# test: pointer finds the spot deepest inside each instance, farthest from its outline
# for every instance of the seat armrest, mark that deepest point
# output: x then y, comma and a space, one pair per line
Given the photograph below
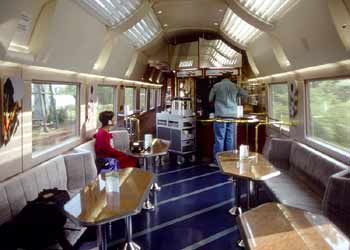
336, 202
278, 152
81, 169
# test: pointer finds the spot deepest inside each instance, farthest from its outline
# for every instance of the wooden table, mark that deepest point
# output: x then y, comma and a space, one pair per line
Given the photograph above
94, 206
254, 168
279, 227
159, 148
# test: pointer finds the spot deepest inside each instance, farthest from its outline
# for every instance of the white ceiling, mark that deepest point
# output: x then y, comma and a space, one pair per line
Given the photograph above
179, 14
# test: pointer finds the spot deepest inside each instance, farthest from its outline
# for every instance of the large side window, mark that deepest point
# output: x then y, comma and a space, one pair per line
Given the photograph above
143, 99
152, 98
105, 98
55, 110
279, 103
129, 99
329, 111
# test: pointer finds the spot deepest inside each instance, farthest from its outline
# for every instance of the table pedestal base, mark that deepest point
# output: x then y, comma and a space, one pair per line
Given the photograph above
235, 211
240, 243
156, 187
131, 246
148, 205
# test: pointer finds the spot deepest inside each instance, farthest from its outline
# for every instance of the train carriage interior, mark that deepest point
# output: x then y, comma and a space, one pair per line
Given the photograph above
175, 124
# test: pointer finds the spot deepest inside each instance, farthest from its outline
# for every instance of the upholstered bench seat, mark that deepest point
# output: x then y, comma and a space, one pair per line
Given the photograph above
309, 180
291, 191
67, 172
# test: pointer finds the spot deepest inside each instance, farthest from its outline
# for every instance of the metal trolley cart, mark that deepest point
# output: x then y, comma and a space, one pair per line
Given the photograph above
180, 128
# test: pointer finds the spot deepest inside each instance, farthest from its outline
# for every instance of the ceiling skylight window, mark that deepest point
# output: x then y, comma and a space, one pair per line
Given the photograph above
237, 29
222, 60
111, 12
144, 31
224, 49
185, 63
267, 10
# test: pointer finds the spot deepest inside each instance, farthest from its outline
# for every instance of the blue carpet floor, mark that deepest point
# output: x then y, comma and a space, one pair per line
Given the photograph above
191, 213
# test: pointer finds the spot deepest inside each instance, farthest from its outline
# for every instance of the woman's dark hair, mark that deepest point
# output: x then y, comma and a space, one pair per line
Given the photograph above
105, 117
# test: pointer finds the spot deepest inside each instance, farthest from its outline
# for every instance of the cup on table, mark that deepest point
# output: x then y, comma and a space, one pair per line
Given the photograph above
243, 152
148, 141
240, 111
112, 182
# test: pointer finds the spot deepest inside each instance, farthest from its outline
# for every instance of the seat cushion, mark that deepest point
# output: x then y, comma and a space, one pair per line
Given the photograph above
313, 166
291, 191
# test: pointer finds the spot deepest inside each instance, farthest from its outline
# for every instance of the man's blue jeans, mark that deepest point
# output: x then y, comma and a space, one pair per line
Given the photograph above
225, 137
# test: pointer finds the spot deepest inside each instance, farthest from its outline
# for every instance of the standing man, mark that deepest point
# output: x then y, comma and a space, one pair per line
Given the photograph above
224, 94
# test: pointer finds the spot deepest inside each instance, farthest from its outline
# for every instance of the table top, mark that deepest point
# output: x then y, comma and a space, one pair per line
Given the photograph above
94, 205
159, 147
256, 167
279, 227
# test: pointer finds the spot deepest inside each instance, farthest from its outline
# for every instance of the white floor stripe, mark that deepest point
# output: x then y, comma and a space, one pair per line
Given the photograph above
211, 238
193, 193
178, 170
176, 220
189, 179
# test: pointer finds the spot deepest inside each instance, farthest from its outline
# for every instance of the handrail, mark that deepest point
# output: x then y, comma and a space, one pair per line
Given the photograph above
268, 122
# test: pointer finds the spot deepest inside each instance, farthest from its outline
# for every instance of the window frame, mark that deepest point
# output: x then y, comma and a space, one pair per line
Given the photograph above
36, 156
134, 99
114, 95
282, 128
319, 143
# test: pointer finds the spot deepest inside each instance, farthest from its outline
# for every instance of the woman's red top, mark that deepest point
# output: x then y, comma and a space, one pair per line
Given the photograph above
104, 149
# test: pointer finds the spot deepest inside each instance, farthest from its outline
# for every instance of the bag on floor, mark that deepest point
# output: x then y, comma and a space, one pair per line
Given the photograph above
41, 222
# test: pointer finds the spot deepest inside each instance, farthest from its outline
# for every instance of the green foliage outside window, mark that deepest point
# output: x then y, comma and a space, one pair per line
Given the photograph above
279, 102
329, 104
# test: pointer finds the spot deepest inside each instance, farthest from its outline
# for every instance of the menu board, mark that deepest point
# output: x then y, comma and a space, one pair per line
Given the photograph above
219, 72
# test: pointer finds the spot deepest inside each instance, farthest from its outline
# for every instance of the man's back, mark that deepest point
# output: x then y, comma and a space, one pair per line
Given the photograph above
225, 94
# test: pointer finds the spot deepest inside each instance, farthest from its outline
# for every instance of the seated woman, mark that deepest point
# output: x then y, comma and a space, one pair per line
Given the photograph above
103, 146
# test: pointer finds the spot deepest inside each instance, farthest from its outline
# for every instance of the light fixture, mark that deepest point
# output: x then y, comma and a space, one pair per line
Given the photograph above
165, 25
268, 10
144, 31
159, 12
221, 10
237, 29
216, 24
186, 63
110, 12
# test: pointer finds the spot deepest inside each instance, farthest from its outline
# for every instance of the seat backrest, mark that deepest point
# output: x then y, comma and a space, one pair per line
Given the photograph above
81, 170
313, 165
88, 146
277, 151
15, 192
120, 139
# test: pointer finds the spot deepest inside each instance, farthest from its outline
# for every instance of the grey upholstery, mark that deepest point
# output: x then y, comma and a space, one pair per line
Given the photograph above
120, 139
309, 179
336, 202
88, 146
59, 172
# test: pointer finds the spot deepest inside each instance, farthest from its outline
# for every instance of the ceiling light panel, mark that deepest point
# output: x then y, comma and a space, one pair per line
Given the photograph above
237, 29
144, 31
267, 10
111, 12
